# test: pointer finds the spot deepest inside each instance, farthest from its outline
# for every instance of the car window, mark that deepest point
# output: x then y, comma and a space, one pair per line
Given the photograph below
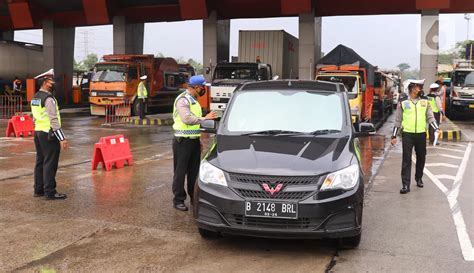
285, 110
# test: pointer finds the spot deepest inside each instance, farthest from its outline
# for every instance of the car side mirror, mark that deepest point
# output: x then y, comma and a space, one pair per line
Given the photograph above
208, 70
363, 88
209, 126
365, 129
276, 77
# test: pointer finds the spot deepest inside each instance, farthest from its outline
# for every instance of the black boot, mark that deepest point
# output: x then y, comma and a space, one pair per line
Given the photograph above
419, 183
405, 189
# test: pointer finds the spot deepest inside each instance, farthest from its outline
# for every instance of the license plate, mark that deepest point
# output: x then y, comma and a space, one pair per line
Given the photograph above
471, 105
270, 209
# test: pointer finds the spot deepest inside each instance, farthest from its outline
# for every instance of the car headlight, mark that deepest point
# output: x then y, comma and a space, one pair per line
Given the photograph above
119, 94
93, 94
344, 179
209, 174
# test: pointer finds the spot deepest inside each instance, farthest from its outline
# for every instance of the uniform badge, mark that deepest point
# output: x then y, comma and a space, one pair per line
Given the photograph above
406, 105
35, 102
423, 103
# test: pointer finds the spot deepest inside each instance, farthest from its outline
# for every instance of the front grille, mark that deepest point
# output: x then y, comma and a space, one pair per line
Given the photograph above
466, 96
300, 223
285, 180
281, 195
106, 93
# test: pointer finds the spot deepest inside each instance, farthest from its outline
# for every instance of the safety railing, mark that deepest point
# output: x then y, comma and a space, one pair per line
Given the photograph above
117, 113
10, 106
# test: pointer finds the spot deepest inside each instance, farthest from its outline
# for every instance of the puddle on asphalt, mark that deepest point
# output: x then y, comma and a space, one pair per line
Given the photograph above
372, 151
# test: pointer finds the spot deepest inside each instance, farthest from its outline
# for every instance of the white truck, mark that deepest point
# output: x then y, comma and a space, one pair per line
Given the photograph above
461, 98
262, 54
228, 76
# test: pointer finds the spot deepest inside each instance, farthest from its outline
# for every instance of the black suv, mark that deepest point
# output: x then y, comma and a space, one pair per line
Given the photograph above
285, 163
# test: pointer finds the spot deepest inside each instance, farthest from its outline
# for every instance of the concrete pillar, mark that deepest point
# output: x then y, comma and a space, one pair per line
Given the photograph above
7, 35
128, 38
58, 52
216, 39
429, 45
309, 45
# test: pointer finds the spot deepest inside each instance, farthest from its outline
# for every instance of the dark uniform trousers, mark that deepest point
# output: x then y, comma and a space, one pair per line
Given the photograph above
186, 160
410, 140
47, 158
141, 105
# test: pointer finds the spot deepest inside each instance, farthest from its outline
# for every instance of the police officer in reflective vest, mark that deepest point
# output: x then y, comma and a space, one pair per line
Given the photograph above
412, 116
436, 106
49, 138
187, 116
142, 94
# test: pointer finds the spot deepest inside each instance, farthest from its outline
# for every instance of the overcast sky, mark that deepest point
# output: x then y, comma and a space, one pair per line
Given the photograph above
384, 41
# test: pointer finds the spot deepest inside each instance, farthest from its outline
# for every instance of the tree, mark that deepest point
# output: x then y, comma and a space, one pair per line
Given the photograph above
78, 66
90, 60
403, 66
460, 48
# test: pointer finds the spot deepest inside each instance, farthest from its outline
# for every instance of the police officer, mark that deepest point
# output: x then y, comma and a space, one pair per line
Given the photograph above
187, 116
412, 116
49, 138
436, 107
142, 94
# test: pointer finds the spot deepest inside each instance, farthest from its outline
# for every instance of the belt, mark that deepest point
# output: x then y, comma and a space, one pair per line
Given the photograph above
179, 138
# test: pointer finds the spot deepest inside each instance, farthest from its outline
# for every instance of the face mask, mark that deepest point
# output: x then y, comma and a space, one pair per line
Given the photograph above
201, 92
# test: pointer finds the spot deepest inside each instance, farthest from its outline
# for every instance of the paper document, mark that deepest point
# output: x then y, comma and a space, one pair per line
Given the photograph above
436, 136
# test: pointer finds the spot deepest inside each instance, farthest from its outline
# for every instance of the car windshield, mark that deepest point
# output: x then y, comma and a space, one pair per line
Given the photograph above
350, 83
238, 73
109, 73
285, 112
463, 78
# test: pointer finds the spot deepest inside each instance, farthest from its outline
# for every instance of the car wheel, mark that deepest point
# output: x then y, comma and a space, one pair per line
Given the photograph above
208, 235
350, 242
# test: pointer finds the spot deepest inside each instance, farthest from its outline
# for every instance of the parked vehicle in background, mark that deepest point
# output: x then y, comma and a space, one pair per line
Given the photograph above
228, 76
344, 59
115, 80
461, 98
383, 94
187, 71
285, 174
277, 48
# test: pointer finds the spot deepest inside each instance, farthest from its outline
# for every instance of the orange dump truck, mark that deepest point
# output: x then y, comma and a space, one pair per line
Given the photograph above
115, 80
344, 65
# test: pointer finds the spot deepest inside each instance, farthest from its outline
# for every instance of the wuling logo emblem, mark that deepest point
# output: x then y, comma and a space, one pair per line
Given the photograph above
272, 190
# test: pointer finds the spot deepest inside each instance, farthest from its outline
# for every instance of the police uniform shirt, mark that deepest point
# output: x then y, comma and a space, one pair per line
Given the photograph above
50, 106
399, 114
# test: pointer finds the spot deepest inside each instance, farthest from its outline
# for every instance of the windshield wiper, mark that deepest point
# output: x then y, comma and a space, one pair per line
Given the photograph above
324, 132
270, 132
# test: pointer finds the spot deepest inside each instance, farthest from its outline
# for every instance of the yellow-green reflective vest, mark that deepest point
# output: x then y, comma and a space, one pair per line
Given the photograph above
414, 116
180, 128
432, 101
40, 116
142, 92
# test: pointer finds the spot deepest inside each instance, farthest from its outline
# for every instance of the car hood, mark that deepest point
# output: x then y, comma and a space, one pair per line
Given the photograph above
229, 82
281, 155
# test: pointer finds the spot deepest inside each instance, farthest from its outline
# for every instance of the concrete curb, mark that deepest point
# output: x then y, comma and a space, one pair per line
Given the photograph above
147, 121
453, 133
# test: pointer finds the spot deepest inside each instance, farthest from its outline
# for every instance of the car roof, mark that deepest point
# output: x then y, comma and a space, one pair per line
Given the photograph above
306, 85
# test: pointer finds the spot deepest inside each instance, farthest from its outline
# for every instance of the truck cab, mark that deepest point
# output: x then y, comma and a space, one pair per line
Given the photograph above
353, 83
228, 76
461, 99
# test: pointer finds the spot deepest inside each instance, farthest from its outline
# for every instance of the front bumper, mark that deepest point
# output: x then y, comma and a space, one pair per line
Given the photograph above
222, 209
462, 105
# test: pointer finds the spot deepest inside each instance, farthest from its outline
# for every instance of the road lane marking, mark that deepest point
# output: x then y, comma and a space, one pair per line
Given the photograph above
442, 165
451, 156
446, 149
445, 176
452, 196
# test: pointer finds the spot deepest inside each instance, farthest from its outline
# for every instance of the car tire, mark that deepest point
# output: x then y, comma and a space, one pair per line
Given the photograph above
350, 242
208, 235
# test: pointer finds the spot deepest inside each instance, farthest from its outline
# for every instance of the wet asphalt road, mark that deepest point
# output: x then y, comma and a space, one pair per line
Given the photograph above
123, 220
